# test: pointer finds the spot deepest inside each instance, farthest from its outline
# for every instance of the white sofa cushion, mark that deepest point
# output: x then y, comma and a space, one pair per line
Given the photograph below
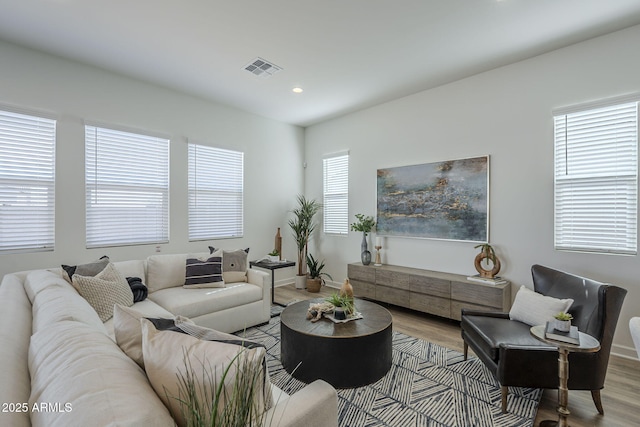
197, 302
170, 354
56, 301
104, 290
167, 270
91, 379
132, 268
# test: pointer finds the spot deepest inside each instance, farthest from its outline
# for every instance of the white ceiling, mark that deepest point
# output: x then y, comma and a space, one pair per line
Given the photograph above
346, 54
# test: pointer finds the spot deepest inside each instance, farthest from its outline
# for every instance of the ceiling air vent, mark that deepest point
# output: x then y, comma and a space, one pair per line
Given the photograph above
261, 67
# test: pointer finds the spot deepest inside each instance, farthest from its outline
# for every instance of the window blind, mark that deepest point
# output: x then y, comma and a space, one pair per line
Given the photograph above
127, 188
596, 167
336, 193
216, 193
27, 182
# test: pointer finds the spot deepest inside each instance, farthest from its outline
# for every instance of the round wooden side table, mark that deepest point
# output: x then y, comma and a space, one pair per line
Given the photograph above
588, 344
345, 355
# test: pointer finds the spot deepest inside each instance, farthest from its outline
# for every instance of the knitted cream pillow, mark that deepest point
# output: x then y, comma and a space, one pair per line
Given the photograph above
104, 290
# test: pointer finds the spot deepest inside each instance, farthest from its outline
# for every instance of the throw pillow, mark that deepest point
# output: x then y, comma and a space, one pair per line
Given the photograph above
534, 309
234, 265
89, 269
128, 333
104, 290
208, 364
204, 273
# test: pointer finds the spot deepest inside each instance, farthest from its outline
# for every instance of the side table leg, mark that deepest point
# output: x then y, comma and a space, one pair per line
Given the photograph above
563, 389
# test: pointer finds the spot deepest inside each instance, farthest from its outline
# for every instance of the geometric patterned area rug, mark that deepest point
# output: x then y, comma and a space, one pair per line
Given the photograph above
427, 385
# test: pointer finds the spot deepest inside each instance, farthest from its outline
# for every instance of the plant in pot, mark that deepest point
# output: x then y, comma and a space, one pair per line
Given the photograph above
343, 303
315, 278
364, 224
562, 321
302, 225
274, 255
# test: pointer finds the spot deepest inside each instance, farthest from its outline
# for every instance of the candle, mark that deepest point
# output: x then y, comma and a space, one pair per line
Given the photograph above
378, 241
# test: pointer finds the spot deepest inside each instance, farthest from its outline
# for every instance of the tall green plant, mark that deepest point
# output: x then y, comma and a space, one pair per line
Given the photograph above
302, 225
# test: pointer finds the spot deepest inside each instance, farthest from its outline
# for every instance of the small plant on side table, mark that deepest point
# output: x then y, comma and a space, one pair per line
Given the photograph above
563, 321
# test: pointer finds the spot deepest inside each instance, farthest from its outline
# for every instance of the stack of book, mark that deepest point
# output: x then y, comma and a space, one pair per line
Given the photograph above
571, 337
493, 281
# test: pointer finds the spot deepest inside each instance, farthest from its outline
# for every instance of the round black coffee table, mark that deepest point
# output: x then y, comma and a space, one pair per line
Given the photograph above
345, 355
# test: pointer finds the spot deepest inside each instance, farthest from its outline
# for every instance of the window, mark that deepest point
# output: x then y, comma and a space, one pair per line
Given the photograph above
127, 188
216, 179
335, 171
27, 182
596, 166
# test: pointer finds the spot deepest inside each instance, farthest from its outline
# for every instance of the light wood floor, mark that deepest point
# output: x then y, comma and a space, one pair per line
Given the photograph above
620, 396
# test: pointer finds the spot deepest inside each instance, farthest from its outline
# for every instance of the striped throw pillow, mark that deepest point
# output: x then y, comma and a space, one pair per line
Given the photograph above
204, 273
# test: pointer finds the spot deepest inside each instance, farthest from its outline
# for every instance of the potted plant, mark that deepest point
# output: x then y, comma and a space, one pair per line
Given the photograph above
302, 225
274, 255
315, 278
563, 321
364, 224
344, 302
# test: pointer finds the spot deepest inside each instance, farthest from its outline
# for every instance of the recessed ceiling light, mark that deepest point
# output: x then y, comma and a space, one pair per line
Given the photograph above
297, 90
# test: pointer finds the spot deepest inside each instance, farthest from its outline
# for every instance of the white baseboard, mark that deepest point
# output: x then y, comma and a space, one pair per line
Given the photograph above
624, 352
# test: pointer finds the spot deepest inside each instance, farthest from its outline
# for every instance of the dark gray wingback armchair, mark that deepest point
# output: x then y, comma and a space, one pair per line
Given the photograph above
517, 359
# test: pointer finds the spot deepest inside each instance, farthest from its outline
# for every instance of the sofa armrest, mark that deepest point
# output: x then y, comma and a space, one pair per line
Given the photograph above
259, 278
316, 405
472, 312
15, 313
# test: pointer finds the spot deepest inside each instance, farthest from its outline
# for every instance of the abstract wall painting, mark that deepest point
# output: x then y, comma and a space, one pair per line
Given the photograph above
442, 200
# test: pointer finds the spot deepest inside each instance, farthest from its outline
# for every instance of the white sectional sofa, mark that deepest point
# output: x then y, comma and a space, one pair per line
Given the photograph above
62, 366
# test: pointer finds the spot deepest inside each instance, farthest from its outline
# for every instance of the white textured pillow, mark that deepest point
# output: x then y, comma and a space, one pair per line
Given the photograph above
534, 309
164, 358
104, 290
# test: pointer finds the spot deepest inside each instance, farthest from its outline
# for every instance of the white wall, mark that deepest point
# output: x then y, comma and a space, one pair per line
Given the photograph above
505, 113
74, 92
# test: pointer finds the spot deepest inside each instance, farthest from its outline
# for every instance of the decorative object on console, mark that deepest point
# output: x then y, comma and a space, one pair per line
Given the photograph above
378, 246
365, 224
277, 246
315, 278
302, 225
487, 254
441, 200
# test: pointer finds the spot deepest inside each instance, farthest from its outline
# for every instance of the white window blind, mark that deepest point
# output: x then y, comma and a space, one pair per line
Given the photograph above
336, 193
216, 190
127, 188
27, 182
596, 167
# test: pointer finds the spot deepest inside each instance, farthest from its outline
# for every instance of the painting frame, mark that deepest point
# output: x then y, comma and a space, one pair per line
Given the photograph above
444, 200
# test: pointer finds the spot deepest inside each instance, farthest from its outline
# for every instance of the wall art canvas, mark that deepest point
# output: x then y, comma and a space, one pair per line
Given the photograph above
442, 200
